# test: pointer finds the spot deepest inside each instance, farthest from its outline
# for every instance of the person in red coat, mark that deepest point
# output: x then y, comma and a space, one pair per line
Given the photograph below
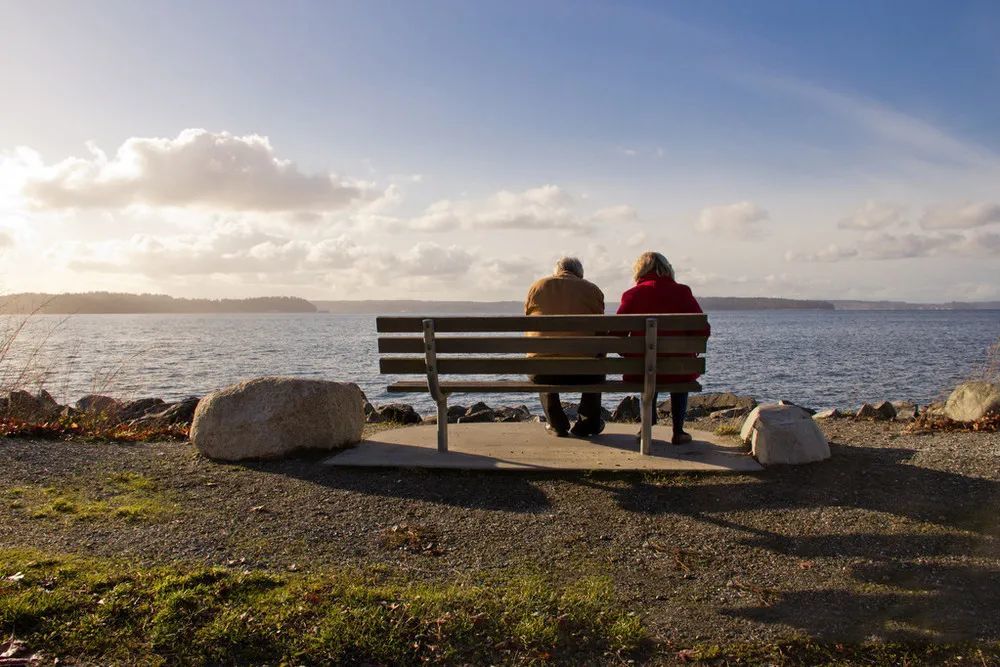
656, 292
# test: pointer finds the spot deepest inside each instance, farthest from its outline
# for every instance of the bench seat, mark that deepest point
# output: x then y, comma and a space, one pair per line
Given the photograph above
514, 386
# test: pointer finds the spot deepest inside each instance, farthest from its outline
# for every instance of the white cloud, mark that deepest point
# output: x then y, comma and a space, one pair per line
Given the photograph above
742, 220
965, 216
197, 168
874, 215
830, 253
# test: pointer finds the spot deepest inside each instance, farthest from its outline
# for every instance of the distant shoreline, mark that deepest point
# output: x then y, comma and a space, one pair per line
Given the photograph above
107, 303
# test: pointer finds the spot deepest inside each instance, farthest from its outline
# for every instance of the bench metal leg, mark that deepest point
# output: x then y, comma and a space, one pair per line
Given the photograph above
430, 355
648, 389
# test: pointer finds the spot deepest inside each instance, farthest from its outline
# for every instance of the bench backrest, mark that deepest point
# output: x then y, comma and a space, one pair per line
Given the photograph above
671, 334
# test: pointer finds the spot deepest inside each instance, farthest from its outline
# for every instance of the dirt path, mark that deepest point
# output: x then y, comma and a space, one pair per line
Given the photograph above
896, 538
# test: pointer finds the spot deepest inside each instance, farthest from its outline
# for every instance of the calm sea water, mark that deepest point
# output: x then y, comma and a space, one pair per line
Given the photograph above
817, 358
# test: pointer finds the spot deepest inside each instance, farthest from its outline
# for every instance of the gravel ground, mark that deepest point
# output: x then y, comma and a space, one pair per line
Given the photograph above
896, 538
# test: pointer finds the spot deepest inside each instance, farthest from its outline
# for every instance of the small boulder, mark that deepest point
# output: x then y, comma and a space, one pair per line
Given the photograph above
905, 411
783, 434
971, 401
508, 413
30, 407
456, 412
885, 411
140, 408
96, 404
272, 417
800, 407
866, 411
399, 413
176, 413
629, 411
478, 417
832, 413
729, 413
371, 413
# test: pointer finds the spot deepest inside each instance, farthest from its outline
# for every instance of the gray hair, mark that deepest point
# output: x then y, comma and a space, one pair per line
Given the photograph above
651, 262
570, 265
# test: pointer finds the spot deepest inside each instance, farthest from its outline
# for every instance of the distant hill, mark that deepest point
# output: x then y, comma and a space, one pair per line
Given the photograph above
516, 307
111, 302
903, 305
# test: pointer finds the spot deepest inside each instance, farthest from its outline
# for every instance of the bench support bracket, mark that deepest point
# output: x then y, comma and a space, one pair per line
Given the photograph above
430, 354
649, 389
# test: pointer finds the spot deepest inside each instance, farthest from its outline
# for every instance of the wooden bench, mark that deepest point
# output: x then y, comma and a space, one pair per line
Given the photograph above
434, 356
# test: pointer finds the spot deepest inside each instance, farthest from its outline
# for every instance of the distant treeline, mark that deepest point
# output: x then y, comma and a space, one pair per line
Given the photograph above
111, 302
517, 307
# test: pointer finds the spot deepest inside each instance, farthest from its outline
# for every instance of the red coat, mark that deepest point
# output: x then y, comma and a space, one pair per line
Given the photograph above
659, 295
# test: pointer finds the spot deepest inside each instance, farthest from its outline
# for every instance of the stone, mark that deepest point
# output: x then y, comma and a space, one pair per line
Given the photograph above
506, 413
885, 411
629, 411
832, 413
784, 434
95, 404
371, 414
272, 417
140, 408
905, 411
456, 412
429, 419
701, 404
175, 414
729, 413
934, 409
800, 407
399, 413
30, 407
866, 411
971, 401
478, 417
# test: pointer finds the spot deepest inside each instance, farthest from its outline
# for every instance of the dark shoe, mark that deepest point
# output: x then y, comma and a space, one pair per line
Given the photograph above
556, 432
585, 428
680, 438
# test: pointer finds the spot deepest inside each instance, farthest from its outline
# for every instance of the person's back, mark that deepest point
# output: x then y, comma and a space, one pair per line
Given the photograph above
567, 293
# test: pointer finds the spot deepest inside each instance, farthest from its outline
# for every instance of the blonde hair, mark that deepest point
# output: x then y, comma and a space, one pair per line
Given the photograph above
651, 262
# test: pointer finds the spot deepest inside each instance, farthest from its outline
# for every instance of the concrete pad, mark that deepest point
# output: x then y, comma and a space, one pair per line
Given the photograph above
526, 446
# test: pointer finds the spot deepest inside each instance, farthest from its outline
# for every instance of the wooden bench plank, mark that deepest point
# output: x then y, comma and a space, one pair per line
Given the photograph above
538, 366
513, 386
580, 323
546, 345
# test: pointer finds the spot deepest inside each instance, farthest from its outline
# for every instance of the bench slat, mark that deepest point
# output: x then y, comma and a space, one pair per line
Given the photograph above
523, 344
537, 366
505, 386
581, 323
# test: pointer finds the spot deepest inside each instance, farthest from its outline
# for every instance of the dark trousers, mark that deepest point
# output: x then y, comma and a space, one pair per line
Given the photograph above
678, 409
589, 409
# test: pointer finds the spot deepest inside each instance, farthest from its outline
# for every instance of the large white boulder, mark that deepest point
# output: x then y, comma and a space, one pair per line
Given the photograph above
784, 434
972, 400
271, 417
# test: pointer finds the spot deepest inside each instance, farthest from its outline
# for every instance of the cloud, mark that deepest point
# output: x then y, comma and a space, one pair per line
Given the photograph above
547, 207
197, 168
965, 216
741, 220
874, 215
830, 253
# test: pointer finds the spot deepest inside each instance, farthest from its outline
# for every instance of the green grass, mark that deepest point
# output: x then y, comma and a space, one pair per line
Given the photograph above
731, 427
105, 611
124, 495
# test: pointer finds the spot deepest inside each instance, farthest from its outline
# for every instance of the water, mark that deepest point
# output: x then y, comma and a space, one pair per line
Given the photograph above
816, 358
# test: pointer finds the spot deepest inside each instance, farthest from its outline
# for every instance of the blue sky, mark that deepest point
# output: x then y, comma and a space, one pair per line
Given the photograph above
806, 149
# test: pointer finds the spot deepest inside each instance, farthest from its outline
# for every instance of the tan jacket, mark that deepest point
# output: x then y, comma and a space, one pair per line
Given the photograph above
563, 294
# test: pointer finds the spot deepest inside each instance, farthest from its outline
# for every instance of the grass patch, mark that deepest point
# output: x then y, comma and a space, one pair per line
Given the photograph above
805, 652
731, 427
124, 495
104, 611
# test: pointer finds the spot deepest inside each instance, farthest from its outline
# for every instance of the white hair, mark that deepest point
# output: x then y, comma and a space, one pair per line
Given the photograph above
651, 262
570, 265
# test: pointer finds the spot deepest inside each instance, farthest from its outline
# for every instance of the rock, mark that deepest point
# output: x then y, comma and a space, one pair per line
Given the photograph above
399, 413
832, 413
971, 401
629, 411
175, 413
800, 407
479, 417
477, 407
508, 413
455, 412
272, 417
730, 413
701, 404
885, 411
866, 411
140, 408
428, 419
934, 409
371, 414
101, 406
663, 409
67, 412
784, 434
905, 411
570, 410
29, 407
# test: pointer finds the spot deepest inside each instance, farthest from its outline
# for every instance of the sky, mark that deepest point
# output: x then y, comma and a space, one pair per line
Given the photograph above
455, 150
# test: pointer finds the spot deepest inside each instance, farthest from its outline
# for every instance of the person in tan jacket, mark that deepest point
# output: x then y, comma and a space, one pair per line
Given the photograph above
565, 292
